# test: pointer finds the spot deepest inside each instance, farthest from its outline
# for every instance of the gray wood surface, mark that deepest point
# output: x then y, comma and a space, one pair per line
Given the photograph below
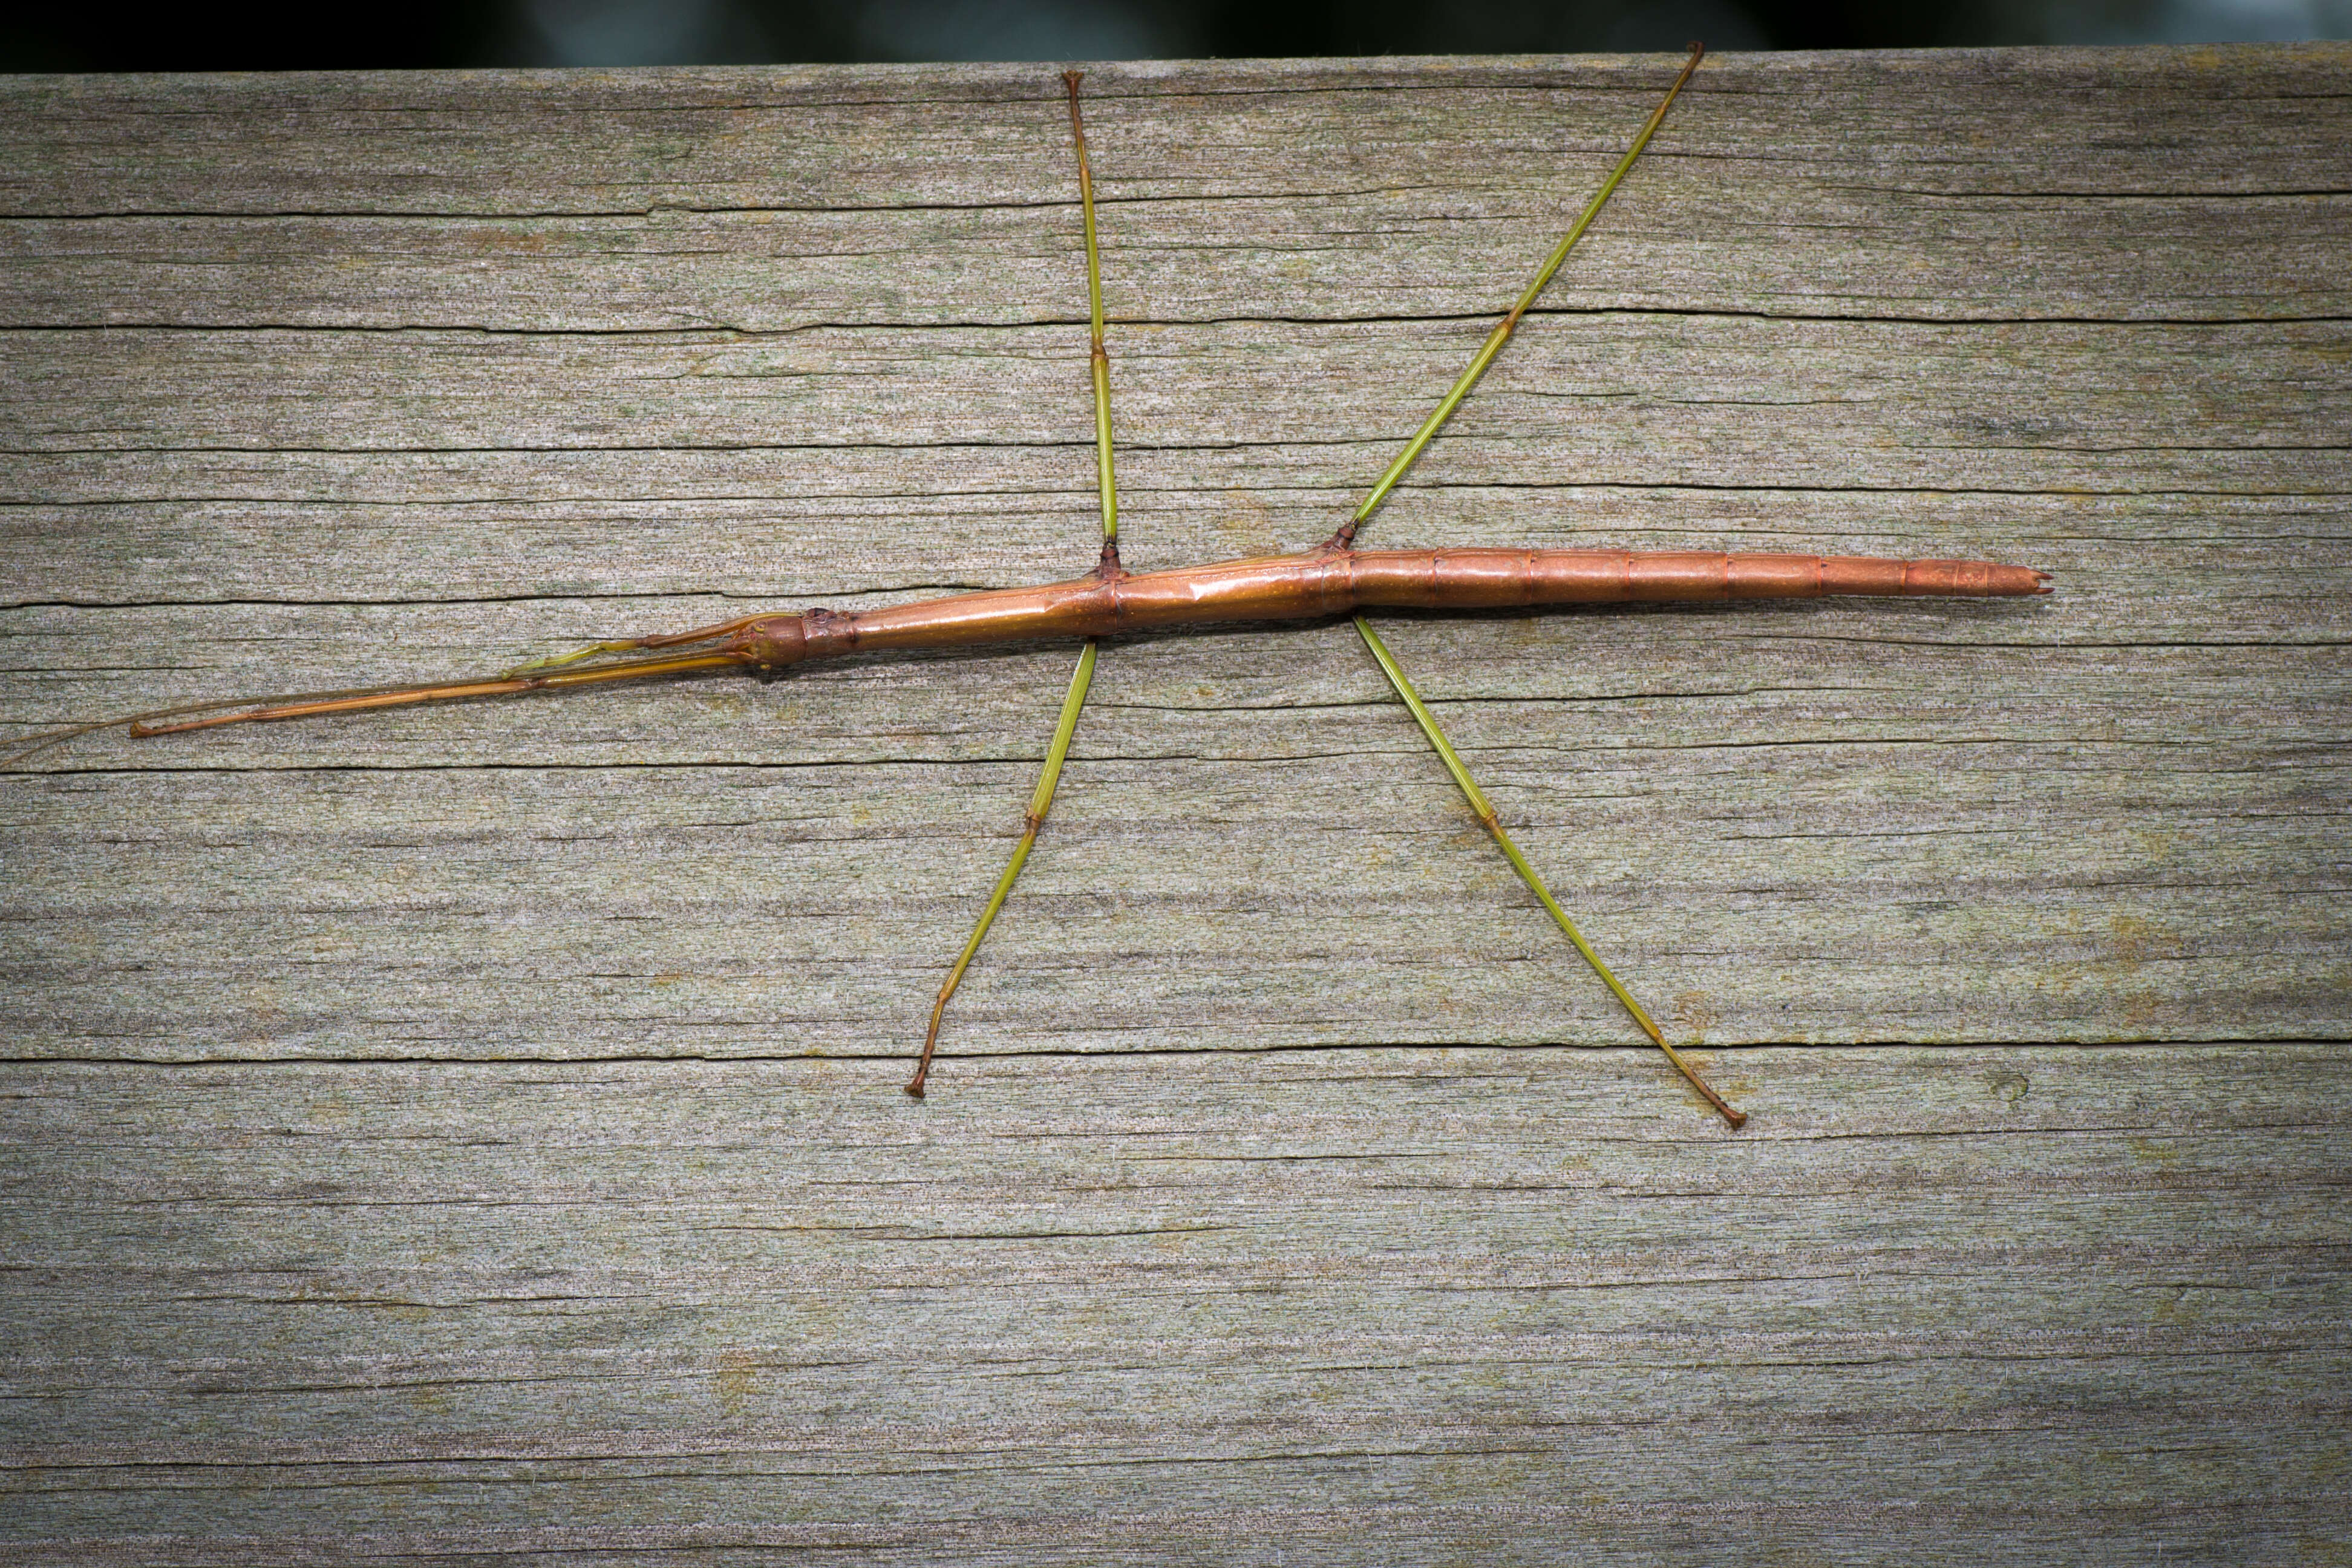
474, 1134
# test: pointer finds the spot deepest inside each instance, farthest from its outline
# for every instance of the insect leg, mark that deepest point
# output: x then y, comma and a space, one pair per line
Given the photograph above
1345, 539
1041, 800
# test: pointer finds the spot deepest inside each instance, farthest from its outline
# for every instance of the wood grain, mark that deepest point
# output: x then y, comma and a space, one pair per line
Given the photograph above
474, 1132
1353, 1306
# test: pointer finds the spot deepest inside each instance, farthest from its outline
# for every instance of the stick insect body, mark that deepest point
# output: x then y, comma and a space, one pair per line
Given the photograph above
1333, 580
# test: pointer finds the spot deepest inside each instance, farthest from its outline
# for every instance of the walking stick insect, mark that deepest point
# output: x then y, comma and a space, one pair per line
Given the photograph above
1335, 578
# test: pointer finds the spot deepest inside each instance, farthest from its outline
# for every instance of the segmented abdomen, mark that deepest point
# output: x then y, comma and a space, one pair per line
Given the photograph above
1495, 579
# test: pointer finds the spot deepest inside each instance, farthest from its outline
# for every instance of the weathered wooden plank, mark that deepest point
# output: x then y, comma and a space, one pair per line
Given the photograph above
1776, 868
694, 199
1247, 1222
1362, 255
1614, 398
691, 1307
2130, 123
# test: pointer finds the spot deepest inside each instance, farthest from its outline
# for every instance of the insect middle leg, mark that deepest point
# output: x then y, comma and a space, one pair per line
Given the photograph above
1041, 800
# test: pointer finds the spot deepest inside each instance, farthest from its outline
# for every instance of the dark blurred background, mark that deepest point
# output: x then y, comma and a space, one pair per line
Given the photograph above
736, 31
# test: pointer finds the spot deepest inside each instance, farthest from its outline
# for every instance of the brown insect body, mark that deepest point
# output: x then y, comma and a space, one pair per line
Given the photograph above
1327, 583
1108, 602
